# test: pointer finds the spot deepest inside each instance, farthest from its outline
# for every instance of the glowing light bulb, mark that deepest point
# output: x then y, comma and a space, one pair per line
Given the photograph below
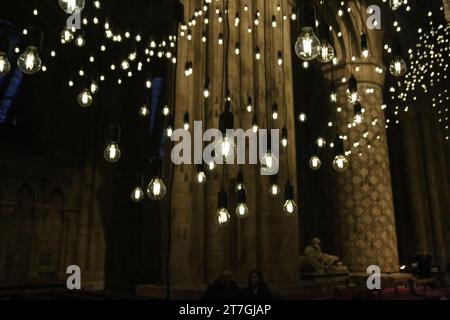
29, 61
269, 160
72, 6
321, 142
315, 163
222, 218
333, 97
326, 52
169, 131
166, 110
398, 67
290, 207
307, 46
67, 35
242, 210
340, 163
302, 117
226, 146
137, 194
79, 42
156, 189
395, 4
112, 153
200, 178
94, 87
5, 66
275, 190
85, 98
144, 111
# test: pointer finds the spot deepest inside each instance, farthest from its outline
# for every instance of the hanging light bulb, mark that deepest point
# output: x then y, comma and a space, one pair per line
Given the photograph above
321, 142
326, 53
29, 61
237, 48
395, 4
275, 111
242, 209
275, 189
137, 194
226, 122
166, 110
333, 94
307, 46
257, 54
169, 129
315, 163
222, 217
85, 98
72, 6
79, 42
353, 96
67, 35
284, 137
186, 121
144, 111
206, 92
112, 152
5, 66
156, 189
249, 104
94, 87
200, 177
358, 113
289, 207
302, 117
240, 181
211, 163
269, 159
364, 46
398, 67
340, 162
255, 124
280, 58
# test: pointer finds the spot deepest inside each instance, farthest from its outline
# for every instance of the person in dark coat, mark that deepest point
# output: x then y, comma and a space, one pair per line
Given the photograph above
224, 288
257, 289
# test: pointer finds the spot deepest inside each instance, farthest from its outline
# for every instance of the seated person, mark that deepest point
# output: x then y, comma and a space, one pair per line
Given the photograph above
257, 289
224, 288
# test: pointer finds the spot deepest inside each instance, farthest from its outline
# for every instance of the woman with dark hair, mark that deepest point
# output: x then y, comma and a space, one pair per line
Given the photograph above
257, 289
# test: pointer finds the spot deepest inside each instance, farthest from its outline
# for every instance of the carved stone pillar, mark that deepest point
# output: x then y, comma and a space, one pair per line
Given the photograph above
267, 239
366, 220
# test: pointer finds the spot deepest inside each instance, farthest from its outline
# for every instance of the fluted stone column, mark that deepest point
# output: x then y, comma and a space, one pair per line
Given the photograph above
267, 239
364, 193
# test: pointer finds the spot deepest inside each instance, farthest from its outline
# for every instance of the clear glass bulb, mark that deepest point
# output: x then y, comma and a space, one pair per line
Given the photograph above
226, 146
137, 194
222, 217
326, 52
353, 97
211, 165
269, 160
186, 126
85, 98
275, 190
143, 111
315, 163
365, 53
94, 87
321, 142
29, 61
398, 67
358, 118
340, 163
307, 46
290, 207
67, 35
302, 117
395, 4
333, 97
200, 178
284, 142
5, 66
79, 42
242, 210
255, 128
166, 110
156, 189
169, 131
72, 6
112, 153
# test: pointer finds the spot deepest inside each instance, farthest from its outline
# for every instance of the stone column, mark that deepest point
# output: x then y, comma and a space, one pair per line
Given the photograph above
364, 194
446, 4
266, 240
